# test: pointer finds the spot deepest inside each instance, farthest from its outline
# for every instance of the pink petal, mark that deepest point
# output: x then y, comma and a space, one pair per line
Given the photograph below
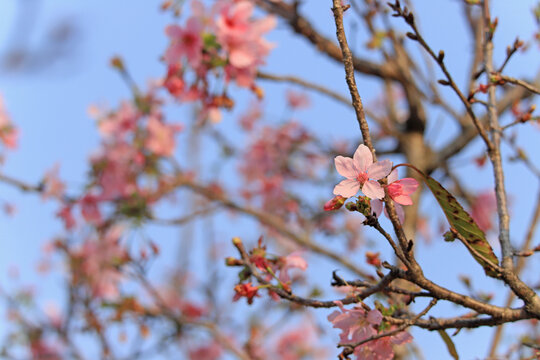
193, 25
345, 167
347, 188
373, 190
393, 176
241, 58
362, 158
374, 317
408, 185
264, 25
400, 212
401, 338
403, 199
243, 11
379, 169
376, 207
173, 31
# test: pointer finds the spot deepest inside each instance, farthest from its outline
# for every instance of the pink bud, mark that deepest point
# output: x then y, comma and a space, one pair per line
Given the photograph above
335, 203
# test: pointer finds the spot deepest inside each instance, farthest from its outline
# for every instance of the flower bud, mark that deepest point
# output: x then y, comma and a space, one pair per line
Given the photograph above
335, 203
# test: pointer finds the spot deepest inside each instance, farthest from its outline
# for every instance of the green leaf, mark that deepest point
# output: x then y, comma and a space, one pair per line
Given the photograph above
449, 344
464, 224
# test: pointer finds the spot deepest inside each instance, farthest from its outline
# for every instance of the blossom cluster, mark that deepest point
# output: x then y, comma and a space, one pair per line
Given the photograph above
270, 267
358, 325
225, 40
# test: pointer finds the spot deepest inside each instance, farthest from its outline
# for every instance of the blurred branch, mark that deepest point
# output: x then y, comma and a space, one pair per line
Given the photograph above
306, 84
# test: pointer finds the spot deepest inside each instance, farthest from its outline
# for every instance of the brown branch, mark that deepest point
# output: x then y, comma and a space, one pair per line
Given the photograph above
463, 322
497, 336
439, 59
21, 185
300, 25
528, 295
282, 293
519, 82
469, 133
349, 76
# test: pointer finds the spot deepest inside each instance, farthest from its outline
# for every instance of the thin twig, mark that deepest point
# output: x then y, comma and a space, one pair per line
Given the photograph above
309, 85
528, 295
519, 82
497, 336
409, 19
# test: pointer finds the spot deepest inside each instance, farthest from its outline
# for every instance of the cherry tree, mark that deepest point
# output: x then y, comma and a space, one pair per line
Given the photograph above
300, 237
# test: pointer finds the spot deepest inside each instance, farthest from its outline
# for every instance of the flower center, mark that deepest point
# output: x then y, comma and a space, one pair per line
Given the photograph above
362, 177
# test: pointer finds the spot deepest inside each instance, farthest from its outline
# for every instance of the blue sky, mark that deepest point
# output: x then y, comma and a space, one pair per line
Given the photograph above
50, 107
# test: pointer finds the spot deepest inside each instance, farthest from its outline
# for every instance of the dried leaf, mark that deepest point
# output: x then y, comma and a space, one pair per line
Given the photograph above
449, 344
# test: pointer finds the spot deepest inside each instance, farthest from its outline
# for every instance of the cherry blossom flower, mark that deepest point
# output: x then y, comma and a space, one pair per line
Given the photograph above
53, 186
298, 343
291, 261
99, 263
90, 209
297, 100
247, 290
116, 123
399, 191
185, 41
357, 325
67, 217
248, 119
161, 137
241, 36
358, 171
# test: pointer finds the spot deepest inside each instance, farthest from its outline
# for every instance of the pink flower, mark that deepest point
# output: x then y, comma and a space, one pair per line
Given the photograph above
399, 190
52, 185
357, 325
247, 290
291, 261
160, 137
116, 124
358, 171
241, 38
90, 209
297, 100
67, 217
100, 261
298, 343
185, 41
